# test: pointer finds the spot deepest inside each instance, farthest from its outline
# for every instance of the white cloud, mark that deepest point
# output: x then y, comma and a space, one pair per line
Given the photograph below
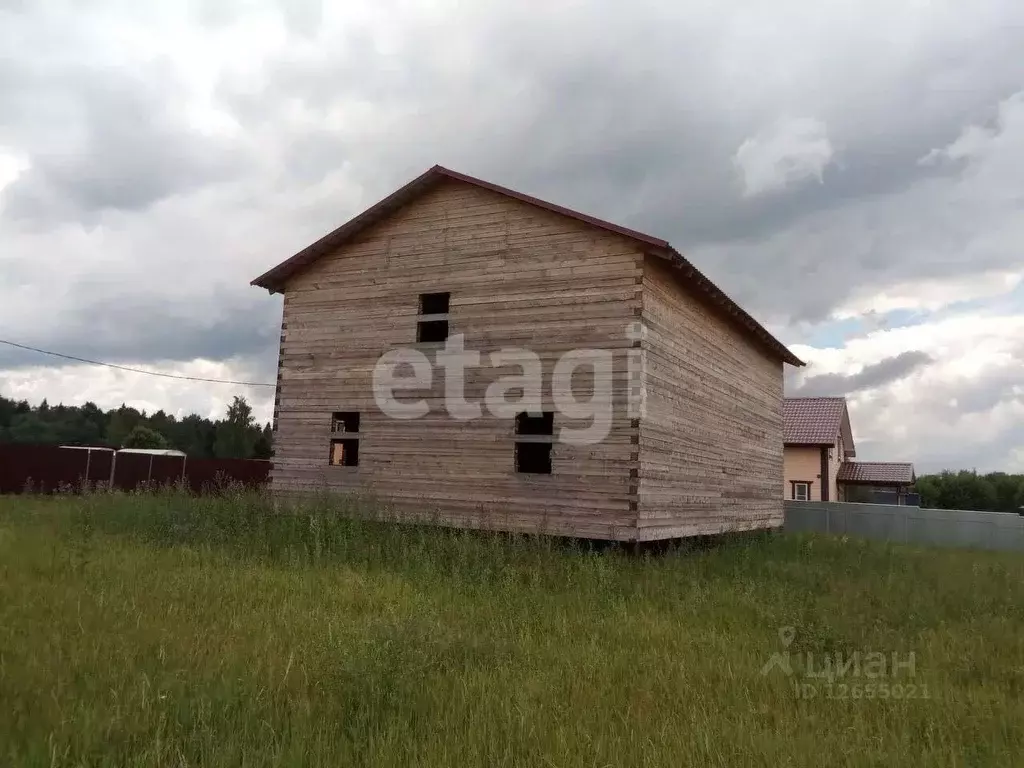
109, 388
977, 141
790, 151
11, 166
964, 409
928, 294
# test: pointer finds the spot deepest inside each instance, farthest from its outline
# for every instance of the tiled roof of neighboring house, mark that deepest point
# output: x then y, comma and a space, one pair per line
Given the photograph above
689, 275
876, 472
812, 420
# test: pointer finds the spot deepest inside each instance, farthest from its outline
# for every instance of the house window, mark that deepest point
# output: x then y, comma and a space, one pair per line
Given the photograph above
533, 448
345, 453
535, 424
434, 303
345, 421
801, 491
345, 450
432, 322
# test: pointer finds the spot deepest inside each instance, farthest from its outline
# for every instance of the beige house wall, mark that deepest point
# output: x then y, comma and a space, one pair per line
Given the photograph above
802, 464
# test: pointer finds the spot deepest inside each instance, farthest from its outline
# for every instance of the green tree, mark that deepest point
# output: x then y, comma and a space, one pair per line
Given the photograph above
195, 435
144, 437
995, 491
237, 433
264, 446
1006, 488
32, 427
121, 423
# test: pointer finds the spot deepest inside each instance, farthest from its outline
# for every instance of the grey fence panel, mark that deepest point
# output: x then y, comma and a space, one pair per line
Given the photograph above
909, 525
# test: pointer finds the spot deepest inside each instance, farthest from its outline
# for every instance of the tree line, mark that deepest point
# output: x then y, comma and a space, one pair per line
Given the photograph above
239, 436
236, 436
964, 489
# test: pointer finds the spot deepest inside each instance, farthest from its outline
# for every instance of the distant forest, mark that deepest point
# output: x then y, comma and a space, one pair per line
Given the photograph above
236, 436
992, 492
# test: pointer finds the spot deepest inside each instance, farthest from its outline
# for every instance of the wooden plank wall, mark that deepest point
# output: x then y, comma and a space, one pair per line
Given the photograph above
518, 276
711, 436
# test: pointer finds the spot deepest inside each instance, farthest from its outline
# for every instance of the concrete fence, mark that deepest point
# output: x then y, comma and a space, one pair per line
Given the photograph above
909, 525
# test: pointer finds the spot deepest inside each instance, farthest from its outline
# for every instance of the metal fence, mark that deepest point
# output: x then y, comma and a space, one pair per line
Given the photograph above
909, 525
45, 468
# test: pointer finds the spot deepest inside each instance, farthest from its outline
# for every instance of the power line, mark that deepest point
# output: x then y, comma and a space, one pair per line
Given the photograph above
136, 370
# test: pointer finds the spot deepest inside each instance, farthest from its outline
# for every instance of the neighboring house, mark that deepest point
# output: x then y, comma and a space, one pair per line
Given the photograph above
819, 452
887, 482
694, 387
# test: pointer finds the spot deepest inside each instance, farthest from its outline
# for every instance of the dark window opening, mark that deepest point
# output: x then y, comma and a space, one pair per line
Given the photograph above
533, 458
345, 452
432, 330
535, 423
434, 303
345, 421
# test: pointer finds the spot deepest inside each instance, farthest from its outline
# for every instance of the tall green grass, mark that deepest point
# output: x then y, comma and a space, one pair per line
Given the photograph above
159, 629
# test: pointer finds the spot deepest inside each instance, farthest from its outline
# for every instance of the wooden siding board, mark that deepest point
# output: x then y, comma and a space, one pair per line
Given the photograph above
711, 435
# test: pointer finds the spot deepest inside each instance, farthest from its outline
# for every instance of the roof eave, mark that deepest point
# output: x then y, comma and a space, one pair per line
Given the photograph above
717, 296
274, 279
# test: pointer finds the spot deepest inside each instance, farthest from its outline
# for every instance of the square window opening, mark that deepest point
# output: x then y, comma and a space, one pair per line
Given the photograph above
345, 452
434, 303
533, 458
535, 423
345, 421
431, 330
801, 491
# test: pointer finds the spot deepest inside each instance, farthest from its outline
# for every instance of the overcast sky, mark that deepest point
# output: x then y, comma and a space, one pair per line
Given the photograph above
851, 171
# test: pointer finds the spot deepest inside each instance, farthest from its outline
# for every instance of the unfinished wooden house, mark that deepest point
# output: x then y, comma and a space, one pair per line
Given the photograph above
691, 401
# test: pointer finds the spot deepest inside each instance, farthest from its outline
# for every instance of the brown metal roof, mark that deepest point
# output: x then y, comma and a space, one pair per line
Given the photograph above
812, 420
274, 279
876, 473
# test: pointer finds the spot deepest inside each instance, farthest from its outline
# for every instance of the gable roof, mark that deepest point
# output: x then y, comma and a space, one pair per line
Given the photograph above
274, 279
876, 473
816, 421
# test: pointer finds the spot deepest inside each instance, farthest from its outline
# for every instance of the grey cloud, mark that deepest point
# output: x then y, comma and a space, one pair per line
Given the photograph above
871, 376
994, 453
633, 134
122, 141
137, 330
302, 17
958, 421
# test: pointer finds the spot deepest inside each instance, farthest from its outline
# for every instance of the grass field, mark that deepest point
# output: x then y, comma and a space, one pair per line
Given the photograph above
159, 630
